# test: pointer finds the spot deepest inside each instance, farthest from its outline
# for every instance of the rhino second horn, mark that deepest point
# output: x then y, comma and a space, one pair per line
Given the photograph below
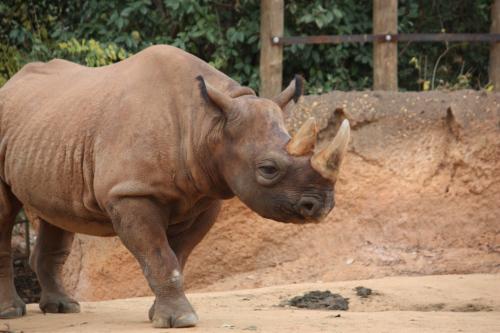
327, 161
304, 140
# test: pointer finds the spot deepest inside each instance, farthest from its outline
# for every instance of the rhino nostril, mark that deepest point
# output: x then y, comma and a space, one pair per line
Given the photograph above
308, 207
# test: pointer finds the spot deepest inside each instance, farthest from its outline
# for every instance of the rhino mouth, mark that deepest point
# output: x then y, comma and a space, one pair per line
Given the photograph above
289, 214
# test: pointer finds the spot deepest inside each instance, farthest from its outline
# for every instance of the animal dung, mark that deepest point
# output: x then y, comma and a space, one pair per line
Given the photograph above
320, 300
363, 292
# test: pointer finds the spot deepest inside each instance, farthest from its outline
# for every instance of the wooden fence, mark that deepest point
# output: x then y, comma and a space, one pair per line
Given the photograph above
385, 38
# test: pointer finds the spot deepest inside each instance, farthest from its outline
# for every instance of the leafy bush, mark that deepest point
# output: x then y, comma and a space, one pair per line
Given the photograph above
226, 34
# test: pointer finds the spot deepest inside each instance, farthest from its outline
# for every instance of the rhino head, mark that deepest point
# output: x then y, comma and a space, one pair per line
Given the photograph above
287, 179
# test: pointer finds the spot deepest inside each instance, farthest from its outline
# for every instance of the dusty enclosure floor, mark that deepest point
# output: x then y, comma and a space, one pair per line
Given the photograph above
445, 303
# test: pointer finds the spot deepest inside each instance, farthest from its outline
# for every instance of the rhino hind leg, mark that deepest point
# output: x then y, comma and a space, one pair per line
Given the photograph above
51, 251
11, 305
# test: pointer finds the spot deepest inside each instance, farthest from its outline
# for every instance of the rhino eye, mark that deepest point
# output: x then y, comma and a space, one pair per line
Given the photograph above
268, 170
268, 173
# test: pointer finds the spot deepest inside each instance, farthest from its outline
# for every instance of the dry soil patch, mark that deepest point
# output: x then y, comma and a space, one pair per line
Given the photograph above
446, 303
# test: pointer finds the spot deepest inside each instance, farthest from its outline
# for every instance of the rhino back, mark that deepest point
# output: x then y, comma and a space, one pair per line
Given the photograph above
46, 130
68, 131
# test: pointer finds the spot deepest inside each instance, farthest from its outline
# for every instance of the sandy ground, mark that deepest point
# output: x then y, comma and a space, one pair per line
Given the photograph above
440, 303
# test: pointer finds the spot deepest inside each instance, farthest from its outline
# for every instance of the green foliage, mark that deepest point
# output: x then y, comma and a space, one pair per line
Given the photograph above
226, 34
444, 65
327, 67
91, 52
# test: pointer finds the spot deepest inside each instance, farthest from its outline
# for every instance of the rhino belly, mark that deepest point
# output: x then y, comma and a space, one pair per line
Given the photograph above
52, 176
94, 227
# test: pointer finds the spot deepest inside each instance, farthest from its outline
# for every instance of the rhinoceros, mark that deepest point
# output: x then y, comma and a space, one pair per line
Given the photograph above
147, 149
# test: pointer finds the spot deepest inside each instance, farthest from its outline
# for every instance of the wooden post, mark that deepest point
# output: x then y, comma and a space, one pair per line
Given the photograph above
494, 70
385, 54
271, 55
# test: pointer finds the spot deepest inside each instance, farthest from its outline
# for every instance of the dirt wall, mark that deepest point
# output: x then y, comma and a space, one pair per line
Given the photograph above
419, 193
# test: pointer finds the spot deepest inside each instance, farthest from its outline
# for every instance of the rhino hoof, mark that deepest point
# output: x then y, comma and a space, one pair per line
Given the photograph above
62, 305
186, 320
13, 311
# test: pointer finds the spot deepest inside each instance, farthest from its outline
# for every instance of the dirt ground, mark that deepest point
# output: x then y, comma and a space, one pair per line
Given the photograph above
445, 303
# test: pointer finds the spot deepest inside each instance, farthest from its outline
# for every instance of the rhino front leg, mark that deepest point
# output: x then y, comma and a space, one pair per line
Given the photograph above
52, 248
141, 223
184, 242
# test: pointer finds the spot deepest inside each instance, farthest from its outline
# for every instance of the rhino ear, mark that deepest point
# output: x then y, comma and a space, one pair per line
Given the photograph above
294, 90
222, 101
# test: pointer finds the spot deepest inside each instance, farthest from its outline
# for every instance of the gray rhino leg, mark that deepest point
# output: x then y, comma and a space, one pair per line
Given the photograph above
141, 223
52, 248
11, 305
184, 243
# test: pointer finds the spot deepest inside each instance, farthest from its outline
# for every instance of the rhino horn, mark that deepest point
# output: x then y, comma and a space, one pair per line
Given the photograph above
294, 90
221, 100
327, 161
304, 140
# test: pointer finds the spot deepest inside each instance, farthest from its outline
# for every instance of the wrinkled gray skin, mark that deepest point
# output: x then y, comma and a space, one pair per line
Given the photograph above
143, 150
